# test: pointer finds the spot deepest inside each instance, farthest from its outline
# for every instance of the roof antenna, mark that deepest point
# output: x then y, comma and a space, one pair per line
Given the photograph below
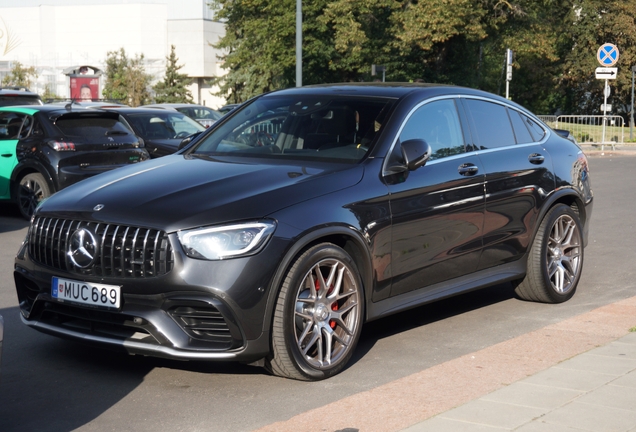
69, 105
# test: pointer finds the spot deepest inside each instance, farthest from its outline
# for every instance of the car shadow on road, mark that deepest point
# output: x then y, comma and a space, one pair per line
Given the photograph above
11, 219
427, 314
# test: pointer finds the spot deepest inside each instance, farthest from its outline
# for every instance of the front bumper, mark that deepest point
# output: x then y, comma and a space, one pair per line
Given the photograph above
201, 310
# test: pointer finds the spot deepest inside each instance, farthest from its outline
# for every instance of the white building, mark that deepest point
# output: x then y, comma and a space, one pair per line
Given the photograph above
53, 35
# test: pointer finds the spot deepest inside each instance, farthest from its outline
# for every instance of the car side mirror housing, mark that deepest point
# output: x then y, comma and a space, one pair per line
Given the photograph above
416, 152
187, 140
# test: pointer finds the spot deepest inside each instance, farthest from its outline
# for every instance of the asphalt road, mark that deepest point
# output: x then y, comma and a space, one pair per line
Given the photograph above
49, 384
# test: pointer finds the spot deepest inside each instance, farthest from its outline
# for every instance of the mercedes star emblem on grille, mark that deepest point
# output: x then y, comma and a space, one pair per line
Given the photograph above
82, 248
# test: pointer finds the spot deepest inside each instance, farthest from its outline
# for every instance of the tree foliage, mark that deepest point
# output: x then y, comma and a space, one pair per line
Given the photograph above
126, 78
461, 42
173, 88
20, 76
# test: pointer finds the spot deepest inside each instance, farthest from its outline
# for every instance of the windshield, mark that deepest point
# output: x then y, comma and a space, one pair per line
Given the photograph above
326, 127
163, 125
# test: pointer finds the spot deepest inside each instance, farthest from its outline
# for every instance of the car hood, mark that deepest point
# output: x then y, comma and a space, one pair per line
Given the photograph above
177, 192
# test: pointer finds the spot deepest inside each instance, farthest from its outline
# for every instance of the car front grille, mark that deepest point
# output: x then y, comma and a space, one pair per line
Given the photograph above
120, 251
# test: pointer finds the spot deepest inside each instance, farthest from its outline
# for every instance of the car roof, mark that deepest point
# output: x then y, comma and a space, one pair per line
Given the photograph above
175, 105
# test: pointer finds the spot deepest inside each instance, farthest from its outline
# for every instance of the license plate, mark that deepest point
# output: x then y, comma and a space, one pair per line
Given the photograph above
88, 293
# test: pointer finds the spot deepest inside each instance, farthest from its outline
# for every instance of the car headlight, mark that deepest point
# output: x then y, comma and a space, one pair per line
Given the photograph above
229, 241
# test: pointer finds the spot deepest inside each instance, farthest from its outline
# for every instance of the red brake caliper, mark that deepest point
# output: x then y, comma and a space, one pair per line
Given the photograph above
334, 305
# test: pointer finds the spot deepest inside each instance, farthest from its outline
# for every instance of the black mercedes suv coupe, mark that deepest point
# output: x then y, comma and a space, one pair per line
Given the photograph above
303, 214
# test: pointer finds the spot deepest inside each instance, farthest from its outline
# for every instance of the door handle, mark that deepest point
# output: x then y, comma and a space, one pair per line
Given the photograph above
6, 155
467, 169
536, 158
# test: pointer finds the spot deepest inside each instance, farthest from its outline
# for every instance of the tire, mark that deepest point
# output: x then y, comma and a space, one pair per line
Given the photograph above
555, 260
32, 189
314, 332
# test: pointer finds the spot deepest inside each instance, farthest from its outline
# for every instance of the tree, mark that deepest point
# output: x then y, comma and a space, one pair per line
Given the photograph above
49, 93
461, 42
173, 87
126, 78
20, 76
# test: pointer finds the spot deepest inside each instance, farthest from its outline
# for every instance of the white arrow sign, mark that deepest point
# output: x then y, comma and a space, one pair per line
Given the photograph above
606, 72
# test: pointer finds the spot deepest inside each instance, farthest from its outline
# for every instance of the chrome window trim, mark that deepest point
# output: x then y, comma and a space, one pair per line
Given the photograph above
546, 129
527, 114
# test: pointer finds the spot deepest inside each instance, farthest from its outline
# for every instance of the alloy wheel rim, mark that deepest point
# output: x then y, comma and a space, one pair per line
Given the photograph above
326, 316
30, 196
564, 254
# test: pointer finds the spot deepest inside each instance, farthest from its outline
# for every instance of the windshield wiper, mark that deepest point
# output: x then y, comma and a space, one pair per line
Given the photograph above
115, 133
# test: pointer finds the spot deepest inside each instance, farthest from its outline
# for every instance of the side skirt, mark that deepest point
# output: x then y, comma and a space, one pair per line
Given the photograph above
481, 279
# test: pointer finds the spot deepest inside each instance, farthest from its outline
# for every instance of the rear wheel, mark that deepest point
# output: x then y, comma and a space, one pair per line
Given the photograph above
32, 189
318, 315
555, 260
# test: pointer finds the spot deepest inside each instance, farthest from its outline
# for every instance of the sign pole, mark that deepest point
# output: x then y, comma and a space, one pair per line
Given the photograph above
604, 114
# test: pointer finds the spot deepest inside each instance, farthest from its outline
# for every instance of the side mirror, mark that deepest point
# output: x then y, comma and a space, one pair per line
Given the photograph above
416, 152
187, 140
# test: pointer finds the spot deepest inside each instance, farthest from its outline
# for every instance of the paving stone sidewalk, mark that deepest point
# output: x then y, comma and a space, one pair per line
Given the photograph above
594, 391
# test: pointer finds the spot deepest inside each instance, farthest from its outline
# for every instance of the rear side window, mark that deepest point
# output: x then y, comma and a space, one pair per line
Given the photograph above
491, 124
537, 131
521, 131
91, 127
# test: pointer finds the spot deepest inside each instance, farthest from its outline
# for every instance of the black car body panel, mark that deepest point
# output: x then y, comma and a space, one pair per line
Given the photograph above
465, 219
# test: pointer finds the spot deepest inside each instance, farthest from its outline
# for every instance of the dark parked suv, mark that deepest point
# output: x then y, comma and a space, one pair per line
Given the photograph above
10, 96
303, 214
46, 148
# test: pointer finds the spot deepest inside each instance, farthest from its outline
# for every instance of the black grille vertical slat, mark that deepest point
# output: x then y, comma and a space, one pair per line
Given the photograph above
112, 252
155, 254
133, 253
63, 245
39, 236
144, 266
102, 248
124, 251
52, 237
61, 253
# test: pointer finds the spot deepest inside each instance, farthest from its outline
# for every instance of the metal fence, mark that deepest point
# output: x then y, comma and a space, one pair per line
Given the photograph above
588, 129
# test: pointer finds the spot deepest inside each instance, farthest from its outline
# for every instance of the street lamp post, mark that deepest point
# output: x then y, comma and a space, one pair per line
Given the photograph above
631, 115
299, 44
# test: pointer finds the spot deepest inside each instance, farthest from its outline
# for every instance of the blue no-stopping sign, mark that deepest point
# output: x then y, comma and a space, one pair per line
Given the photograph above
607, 54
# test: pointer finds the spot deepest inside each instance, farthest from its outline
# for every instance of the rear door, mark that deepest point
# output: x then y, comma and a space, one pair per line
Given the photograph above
518, 176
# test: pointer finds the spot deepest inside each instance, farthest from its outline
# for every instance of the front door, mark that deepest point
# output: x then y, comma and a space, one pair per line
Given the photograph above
437, 210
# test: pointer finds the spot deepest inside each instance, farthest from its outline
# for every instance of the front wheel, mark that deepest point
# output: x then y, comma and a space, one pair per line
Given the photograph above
32, 189
318, 315
555, 261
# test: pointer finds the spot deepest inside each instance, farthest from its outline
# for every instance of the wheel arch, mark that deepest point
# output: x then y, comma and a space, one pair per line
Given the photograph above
345, 237
24, 169
568, 197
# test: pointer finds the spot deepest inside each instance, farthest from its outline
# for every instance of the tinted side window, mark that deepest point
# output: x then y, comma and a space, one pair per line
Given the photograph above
10, 124
521, 131
490, 123
438, 124
26, 127
537, 131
